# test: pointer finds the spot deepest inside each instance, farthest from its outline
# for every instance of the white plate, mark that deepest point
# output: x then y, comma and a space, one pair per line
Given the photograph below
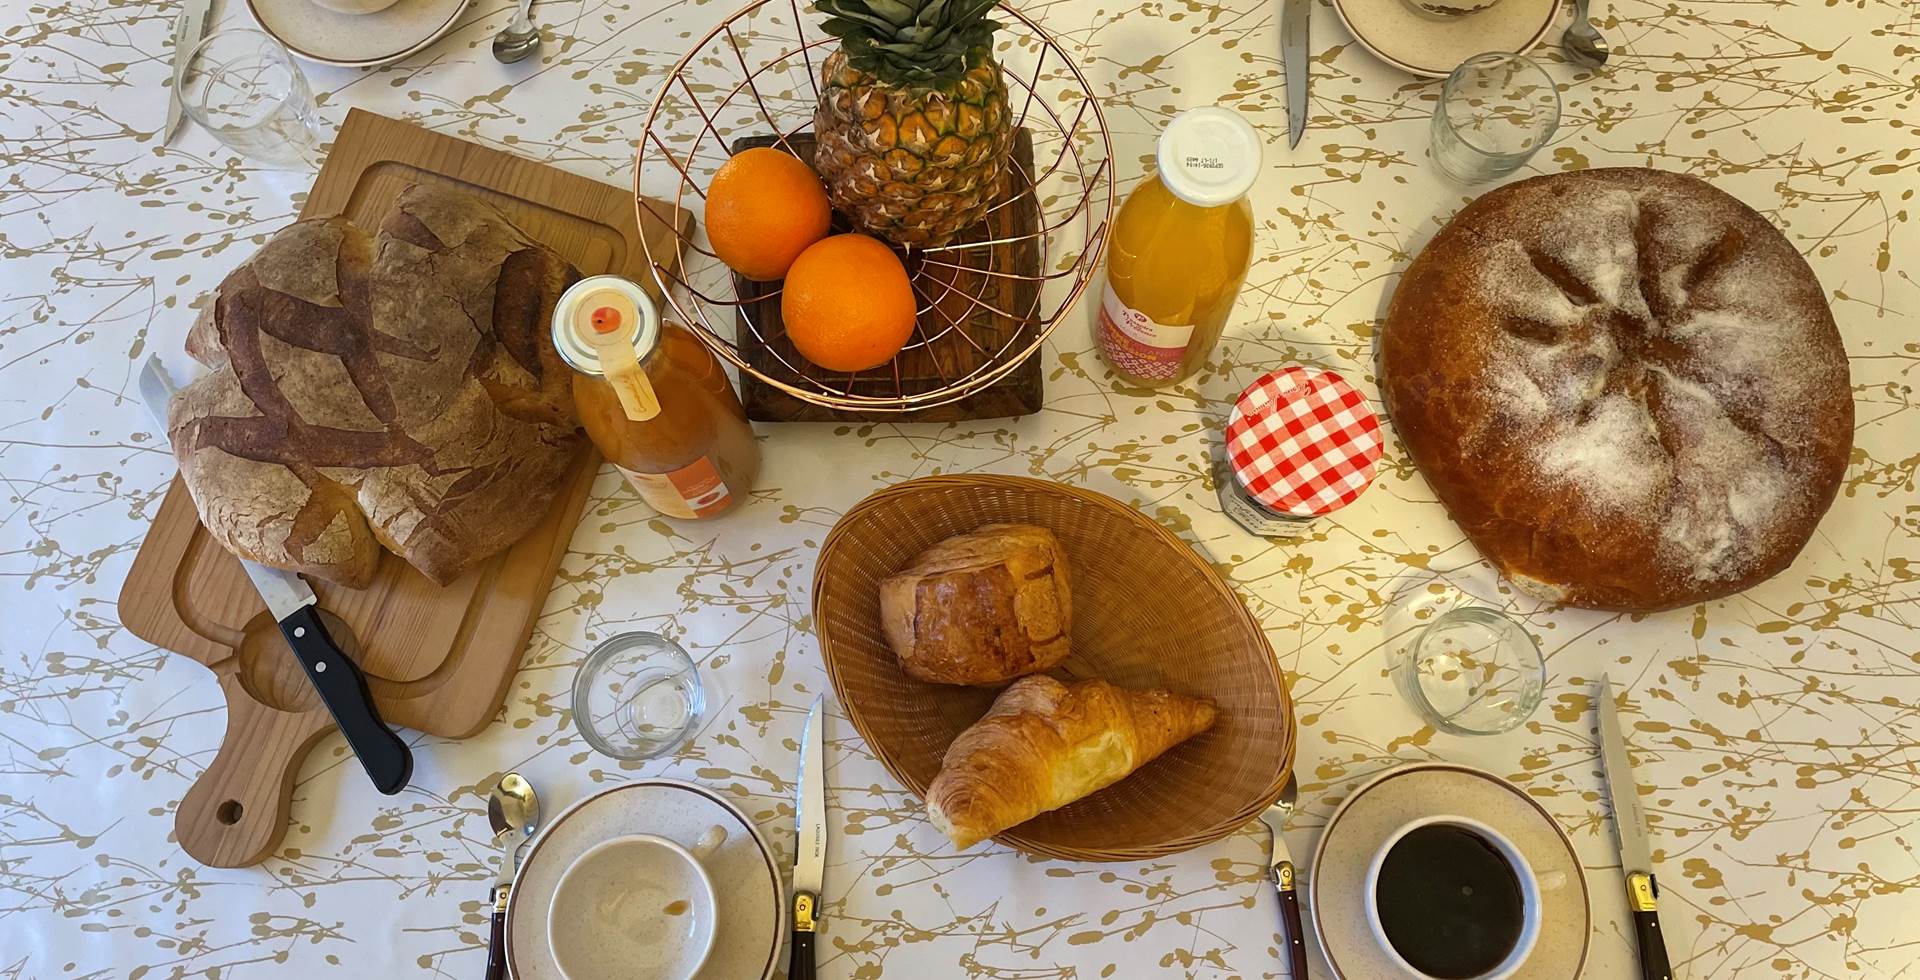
1336, 883
1406, 40
746, 876
329, 37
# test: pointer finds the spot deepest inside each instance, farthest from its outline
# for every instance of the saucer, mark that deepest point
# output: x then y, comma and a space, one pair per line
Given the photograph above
1336, 881
330, 37
1406, 40
752, 922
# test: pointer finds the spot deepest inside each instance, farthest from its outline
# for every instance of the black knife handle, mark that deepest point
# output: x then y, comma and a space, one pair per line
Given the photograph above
1642, 896
343, 689
1283, 882
800, 962
497, 937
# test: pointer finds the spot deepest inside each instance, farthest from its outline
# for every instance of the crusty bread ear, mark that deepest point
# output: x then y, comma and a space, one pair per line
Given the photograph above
1045, 744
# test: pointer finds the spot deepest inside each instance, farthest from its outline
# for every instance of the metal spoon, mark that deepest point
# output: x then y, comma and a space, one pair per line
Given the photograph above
513, 811
513, 806
519, 39
1583, 43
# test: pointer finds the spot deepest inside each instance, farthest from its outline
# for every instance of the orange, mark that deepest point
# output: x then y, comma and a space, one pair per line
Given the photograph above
764, 208
847, 303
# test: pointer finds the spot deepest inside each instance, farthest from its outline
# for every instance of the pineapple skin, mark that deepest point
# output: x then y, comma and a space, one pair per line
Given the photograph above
913, 165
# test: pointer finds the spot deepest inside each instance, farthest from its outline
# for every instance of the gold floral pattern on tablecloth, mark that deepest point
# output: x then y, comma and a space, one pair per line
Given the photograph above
1777, 730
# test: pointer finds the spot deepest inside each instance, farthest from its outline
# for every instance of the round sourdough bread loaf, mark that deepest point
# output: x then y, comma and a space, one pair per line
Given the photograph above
1624, 384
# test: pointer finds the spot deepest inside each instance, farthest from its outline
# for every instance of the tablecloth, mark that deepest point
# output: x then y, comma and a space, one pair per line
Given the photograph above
1776, 728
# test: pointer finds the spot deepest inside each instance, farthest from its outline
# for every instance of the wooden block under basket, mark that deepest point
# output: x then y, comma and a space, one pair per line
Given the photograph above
926, 367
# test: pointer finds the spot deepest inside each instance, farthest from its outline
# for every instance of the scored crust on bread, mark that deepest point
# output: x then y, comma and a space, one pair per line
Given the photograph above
397, 391
981, 608
1045, 744
1624, 384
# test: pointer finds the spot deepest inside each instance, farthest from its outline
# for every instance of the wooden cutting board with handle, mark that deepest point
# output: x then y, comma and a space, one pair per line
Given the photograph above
437, 660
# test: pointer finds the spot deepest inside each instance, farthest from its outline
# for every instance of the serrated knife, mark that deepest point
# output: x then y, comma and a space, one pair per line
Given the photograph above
1293, 58
810, 841
343, 689
1636, 853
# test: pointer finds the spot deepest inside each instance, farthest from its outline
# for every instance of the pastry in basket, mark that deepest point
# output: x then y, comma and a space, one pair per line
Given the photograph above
981, 608
1624, 384
395, 392
1045, 744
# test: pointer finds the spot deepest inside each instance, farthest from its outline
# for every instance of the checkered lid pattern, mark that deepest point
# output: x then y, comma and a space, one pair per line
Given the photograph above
1303, 441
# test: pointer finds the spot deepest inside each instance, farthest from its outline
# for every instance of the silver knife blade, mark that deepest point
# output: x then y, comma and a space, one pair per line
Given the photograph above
1293, 57
188, 30
810, 802
283, 591
1629, 823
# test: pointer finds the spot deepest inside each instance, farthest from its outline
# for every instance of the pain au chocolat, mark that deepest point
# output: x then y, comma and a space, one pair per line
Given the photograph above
1624, 384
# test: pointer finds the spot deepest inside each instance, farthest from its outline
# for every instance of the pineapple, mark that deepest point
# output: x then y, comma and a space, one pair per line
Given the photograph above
913, 129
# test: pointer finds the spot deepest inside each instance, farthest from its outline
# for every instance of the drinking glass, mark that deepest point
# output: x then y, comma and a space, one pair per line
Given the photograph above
1473, 671
243, 87
637, 696
1495, 110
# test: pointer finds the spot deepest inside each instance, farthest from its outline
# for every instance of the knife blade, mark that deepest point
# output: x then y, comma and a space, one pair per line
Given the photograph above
1293, 57
291, 602
1630, 826
188, 29
810, 841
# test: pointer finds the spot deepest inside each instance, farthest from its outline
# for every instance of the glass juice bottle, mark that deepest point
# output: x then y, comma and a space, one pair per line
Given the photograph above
655, 400
1181, 247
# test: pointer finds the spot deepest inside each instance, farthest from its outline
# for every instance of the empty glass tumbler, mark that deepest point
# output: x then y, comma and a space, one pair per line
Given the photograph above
1495, 111
244, 88
637, 696
1473, 671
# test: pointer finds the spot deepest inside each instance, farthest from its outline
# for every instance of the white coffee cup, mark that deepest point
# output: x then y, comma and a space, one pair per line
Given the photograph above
639, 907
1531, 886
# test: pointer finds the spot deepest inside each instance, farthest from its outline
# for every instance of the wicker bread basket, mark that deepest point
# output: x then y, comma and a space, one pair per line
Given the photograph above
1147, 612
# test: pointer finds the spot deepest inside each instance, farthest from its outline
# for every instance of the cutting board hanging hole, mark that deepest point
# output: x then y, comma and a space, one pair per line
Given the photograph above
229, 812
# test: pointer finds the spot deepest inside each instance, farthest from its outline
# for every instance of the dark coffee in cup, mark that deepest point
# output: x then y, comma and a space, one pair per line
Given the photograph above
1450, 902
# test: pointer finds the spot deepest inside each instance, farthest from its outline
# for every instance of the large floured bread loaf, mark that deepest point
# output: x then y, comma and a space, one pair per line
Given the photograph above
1624, 384
397, 392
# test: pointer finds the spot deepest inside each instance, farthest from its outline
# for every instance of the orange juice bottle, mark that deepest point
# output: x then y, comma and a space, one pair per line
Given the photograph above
1181, 247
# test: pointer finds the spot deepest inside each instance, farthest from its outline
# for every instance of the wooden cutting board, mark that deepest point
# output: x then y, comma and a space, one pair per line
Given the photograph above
967, 334
437, 660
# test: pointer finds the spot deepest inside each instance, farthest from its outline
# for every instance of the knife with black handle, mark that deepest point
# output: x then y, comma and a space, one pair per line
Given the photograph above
342, 688
810, 842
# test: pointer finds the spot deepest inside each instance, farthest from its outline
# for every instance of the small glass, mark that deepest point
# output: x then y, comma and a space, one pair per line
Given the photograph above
1495, 111
637, 696
1473, 671
243, 87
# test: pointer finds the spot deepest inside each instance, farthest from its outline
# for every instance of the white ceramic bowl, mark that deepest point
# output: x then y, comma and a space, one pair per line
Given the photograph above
356, 6
638, 907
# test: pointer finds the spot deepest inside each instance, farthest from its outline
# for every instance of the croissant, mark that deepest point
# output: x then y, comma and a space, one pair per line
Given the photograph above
1045, 744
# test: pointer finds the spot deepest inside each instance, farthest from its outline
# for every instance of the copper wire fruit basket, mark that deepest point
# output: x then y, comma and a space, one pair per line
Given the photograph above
987, 301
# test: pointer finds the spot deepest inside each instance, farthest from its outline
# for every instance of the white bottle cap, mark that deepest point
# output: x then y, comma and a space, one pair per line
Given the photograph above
1209, 156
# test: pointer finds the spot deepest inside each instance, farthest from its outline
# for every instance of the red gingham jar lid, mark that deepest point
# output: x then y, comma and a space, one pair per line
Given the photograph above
1303, 441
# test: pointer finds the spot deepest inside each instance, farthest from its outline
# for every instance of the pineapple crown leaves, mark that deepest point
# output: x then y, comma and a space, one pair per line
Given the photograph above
909, 42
